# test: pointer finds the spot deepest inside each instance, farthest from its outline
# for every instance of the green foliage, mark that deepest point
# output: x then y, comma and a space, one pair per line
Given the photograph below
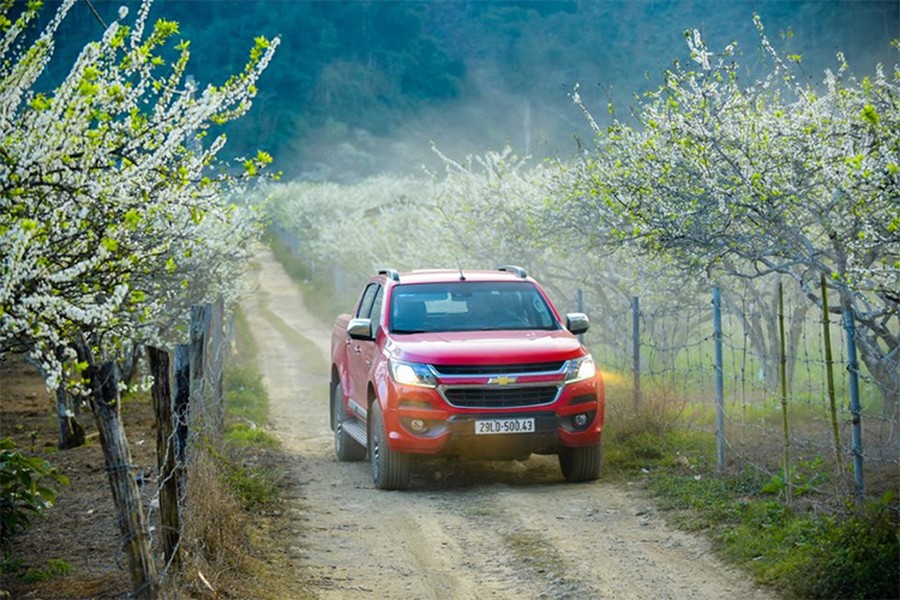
247, 405
627, 451
771, 540
244, 344
243, 434
253, 486
804, 476
246, 398
245, 394
650, 440
16, 568
815, 556
808, 554
11, 566
56, 567
706, 501
380, 68
856, 557
637, 451
24, 490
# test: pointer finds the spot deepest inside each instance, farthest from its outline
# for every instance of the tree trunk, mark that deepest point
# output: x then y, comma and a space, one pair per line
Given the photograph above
126, 496
795, 337
760, 325
887, 378
71, 433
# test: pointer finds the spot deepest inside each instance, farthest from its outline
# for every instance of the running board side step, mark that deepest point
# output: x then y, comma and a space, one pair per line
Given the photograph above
356, 430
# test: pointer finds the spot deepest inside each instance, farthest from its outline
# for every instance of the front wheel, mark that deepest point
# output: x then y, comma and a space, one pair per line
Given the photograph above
390, 470
346, 449
580, 464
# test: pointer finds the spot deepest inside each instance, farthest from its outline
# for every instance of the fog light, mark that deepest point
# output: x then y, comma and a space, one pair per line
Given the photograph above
418, 425
580, 420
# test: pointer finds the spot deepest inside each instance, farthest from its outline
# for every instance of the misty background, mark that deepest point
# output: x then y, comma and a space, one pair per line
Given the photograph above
361, 88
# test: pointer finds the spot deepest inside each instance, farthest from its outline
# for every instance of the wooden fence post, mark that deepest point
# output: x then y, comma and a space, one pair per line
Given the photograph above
165, 455
181, 409
216, 360
785, 422
207, 371
200, 317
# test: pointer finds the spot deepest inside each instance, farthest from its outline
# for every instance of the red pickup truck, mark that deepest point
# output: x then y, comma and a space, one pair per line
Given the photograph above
469, 364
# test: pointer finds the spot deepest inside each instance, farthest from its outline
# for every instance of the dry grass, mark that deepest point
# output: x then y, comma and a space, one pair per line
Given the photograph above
228, 549
216, 553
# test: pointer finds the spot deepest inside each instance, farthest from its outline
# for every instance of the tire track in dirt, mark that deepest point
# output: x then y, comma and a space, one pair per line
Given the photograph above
487, 530
354, 541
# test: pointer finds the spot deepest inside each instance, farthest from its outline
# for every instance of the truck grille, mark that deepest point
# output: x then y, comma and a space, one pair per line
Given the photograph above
547, 367
474, 397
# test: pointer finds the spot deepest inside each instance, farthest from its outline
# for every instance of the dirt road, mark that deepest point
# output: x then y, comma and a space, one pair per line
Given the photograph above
491, 530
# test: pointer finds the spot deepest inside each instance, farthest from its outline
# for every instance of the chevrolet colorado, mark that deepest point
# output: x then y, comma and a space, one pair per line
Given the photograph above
474, 364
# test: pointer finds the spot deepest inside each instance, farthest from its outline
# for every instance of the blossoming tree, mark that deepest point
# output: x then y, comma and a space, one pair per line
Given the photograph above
112, 213
775, 177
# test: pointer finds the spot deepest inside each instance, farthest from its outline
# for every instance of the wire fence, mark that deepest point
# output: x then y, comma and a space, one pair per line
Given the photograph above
188, 398
661, 356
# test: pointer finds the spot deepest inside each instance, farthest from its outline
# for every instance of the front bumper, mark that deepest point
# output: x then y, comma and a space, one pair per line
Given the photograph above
450, 430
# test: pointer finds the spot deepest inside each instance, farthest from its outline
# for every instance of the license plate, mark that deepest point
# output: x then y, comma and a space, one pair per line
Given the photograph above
494, 426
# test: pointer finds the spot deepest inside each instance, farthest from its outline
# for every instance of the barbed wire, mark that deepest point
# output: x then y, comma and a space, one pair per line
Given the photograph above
204, 420
677, 365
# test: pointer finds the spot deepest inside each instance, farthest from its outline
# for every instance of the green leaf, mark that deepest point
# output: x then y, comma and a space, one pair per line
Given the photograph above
40, 102
132, 218
870, 115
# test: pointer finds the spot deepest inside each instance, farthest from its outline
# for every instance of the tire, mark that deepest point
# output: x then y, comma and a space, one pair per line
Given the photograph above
580, 464
346, 449
390, 470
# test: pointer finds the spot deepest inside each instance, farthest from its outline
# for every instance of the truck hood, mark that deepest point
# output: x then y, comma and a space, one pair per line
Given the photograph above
485, 347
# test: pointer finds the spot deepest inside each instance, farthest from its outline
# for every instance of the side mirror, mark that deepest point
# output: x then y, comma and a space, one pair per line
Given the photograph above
577, 322
360, 329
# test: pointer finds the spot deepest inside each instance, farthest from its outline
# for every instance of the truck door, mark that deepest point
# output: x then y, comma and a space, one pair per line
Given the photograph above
362, 352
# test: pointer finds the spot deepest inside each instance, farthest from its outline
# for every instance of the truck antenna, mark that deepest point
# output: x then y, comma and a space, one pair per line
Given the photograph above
459, 266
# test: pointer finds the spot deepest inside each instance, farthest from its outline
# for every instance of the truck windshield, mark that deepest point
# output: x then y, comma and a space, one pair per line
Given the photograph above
469, 306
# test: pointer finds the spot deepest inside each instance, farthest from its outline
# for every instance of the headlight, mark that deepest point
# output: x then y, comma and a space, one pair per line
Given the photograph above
412, 374
580, 369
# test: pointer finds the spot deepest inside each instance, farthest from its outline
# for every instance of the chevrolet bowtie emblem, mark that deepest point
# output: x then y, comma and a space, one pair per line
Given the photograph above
501, 380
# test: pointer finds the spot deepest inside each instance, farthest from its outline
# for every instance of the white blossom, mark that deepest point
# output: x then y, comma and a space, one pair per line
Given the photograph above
114, 217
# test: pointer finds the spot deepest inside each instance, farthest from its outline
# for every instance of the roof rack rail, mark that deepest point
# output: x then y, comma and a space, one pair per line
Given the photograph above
392, 273
518, 271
